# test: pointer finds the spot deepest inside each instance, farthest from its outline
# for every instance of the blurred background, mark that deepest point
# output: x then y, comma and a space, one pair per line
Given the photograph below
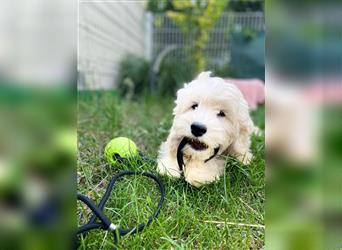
37, 124
303, 124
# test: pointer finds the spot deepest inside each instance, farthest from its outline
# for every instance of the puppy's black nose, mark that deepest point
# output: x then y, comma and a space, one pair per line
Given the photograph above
198, 129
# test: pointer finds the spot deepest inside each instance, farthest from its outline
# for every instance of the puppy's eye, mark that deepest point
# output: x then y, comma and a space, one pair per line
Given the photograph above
194, 106
221, 114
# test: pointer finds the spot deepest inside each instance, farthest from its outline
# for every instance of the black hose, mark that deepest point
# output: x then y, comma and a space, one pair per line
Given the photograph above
105, 223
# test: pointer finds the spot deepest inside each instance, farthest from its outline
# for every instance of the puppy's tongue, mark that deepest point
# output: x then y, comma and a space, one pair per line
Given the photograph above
197, 145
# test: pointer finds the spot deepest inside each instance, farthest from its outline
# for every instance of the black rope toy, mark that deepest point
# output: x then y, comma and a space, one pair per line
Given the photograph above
105, 223
180, 155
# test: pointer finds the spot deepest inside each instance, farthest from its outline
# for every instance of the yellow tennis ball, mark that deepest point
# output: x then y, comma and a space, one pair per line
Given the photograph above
120, 147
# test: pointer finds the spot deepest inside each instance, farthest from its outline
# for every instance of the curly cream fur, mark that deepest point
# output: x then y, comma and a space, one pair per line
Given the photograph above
231, 133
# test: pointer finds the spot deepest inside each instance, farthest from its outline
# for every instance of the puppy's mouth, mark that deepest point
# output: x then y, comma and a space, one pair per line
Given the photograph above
197, 144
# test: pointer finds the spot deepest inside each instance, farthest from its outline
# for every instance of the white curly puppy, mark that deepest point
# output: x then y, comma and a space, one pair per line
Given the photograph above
212, 117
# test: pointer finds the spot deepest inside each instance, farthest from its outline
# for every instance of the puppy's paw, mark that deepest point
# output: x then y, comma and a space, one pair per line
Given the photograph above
246, 158
168, 170
199, 176
200, 182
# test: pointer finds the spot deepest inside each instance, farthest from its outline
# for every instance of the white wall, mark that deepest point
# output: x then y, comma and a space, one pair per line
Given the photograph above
108, 30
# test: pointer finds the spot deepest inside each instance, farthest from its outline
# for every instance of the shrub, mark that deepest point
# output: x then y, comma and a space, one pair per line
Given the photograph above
133, 79
133, 76
173, 74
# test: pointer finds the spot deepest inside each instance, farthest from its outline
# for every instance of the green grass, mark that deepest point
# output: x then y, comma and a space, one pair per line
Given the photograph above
238, 197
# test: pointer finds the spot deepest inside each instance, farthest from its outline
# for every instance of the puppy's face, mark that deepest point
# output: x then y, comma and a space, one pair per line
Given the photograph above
206, 112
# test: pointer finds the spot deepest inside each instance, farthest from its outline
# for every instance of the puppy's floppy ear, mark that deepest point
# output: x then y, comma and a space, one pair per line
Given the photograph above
245, 127
179, 100
246, 124
241, 143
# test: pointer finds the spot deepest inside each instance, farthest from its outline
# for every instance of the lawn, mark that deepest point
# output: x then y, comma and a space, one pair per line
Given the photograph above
191, 218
